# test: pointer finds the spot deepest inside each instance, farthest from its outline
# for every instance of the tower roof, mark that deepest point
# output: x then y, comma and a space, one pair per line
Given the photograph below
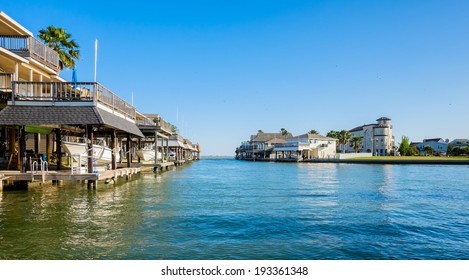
383, 119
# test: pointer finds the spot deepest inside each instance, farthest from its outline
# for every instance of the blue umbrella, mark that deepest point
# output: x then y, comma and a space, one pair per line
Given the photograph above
74, 80
74, 75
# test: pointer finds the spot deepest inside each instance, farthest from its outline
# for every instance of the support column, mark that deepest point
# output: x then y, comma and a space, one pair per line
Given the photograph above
31, 78
37, 138
167, 148
129, 152
139, 146
48, 148
22, 152
89, 146
121, 151
114, 150
58, 148
156, 147
12, 146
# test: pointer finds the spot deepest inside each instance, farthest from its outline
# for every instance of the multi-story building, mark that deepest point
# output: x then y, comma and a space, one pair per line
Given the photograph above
377, 138
307, 146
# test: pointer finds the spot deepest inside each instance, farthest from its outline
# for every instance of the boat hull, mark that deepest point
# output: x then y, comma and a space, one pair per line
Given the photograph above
148, 155
102, 154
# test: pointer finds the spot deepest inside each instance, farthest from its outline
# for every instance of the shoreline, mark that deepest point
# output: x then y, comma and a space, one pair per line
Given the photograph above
372, 161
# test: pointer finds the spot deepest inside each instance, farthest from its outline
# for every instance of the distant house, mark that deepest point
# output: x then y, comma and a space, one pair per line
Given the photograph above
260, 145
460, 143
377, 138
306, 146
438, 145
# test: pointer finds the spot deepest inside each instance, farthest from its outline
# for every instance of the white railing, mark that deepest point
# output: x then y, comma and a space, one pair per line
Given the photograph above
71, 91
27, 46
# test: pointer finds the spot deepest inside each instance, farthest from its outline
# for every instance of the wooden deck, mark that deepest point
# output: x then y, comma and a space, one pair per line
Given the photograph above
13, 176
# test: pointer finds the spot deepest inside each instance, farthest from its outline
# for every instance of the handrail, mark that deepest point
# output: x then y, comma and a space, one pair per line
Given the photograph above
28, 46
72, 91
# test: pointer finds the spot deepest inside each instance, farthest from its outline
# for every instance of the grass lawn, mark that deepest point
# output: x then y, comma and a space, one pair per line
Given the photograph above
413, 158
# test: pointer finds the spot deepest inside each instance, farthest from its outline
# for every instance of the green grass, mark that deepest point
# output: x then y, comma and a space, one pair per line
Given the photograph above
413, 158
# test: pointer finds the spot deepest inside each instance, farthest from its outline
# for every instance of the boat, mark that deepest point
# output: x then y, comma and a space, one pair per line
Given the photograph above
102, 153
148, 154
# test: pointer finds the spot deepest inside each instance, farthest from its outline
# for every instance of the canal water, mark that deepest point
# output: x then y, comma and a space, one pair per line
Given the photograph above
227, 209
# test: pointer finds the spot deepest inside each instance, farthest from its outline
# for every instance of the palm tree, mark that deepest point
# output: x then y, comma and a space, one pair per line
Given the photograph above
356, 143
284, 132
59, 41
313, 131
343, 136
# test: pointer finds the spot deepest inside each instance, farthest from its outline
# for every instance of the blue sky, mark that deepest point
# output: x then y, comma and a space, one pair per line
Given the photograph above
221, 70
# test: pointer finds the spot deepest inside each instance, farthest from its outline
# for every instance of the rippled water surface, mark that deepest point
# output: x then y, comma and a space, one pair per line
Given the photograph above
227, 209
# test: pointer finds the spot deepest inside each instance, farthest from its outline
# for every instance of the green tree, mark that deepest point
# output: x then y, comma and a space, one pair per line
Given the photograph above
284, 132
313, 131
413, 151
356, 143
60, 41
466, 150
260, 131
344, 137
428, 150
404, 147
174, 129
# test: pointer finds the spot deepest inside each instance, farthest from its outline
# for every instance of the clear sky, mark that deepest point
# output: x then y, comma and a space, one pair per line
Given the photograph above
221, 70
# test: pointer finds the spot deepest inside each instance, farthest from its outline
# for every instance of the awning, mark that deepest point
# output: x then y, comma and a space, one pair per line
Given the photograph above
65, 115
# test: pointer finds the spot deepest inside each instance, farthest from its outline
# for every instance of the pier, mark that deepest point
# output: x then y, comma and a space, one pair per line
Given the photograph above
53, 130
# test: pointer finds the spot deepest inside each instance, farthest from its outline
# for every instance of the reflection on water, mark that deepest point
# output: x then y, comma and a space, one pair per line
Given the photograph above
226, 209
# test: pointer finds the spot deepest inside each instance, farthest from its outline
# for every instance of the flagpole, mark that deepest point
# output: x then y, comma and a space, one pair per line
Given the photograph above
95, 58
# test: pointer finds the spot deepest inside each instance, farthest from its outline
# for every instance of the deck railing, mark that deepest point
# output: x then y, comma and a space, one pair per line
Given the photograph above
145, 122
71, 92
5, 81
27, 46
164, 125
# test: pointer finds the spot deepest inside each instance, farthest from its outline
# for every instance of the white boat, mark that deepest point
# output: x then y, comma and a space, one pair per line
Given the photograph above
102, 153
148, 154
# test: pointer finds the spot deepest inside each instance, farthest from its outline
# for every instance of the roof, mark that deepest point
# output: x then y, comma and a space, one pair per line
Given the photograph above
313, 136
433, 140
276, 141
383, 119
64, 115
9, 26
360, 128
460, 142
263, 137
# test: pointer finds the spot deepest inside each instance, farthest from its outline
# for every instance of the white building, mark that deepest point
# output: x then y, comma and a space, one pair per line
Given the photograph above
306, 146
376, 138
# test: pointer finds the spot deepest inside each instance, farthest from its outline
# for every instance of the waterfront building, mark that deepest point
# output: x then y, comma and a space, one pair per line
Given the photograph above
39, 109
35, 100
438, 145
460, 143
305, 147
377, 138
260, 145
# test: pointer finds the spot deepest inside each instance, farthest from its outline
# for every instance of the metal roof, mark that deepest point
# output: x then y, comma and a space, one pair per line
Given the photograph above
65, 115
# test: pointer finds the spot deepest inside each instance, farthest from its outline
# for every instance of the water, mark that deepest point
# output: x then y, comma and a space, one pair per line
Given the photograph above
227, 209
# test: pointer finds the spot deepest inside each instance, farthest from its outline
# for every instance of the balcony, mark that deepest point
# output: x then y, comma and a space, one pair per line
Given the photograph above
70, 94
27, 46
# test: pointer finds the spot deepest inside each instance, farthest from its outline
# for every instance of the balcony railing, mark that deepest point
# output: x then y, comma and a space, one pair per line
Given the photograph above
145, 122
164, 125
71, 92
27, 46
5, 81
